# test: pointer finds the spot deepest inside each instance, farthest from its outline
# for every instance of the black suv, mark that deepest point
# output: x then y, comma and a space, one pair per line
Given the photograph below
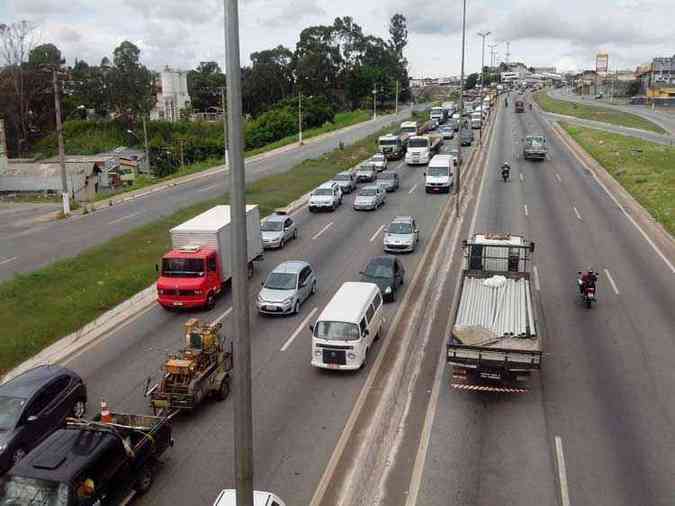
35, 404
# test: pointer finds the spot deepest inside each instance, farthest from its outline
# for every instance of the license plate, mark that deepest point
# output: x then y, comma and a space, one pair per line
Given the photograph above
271, 308
490, 375
177, 303
332, 366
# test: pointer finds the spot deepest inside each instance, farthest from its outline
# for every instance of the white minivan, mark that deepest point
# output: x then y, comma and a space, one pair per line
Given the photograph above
440, 174
476, 119
347, 327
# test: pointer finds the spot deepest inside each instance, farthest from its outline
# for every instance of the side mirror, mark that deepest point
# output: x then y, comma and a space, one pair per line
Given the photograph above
311, 327
579, 272
366, 332
424, 173
417, 230
262, 283
531, 247
156, 268
362, 273
31, 419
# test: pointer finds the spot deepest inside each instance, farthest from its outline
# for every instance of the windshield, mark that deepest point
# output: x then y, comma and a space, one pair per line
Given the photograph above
400, 228
386, 175
389, 142
535, 140
409, 130
32, 492
437, 171
182, 267
272, 226
378, 158
338, 331
366, 167
368, 192
281, 281
10, 411
342, 177
417, 143
323, 191
377, 269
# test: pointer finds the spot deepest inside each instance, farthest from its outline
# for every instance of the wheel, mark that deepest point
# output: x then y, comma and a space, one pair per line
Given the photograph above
144, 481
18, 455
314, 288
282, 243
223, 390
295, 233
211, 300
250, 270
296, 308
589, 303
79, 408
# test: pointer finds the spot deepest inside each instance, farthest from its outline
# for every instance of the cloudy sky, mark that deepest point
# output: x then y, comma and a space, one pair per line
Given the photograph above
182, 33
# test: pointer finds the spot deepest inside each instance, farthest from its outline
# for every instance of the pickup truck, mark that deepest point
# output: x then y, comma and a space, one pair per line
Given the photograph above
494, 343
421, 148
90, 463
534, 147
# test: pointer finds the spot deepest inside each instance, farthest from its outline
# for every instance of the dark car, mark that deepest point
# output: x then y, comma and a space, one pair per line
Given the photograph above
35, 404
387, 273
389, 180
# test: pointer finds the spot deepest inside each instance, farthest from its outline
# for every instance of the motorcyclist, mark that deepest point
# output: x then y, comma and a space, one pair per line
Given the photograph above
505, 170
587, 280
530, 105
506, 102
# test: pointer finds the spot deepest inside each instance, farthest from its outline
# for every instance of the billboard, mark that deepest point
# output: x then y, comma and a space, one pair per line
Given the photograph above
601, 63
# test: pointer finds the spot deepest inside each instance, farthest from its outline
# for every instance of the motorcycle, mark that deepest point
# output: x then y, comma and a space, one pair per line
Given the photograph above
587, 292
506, 173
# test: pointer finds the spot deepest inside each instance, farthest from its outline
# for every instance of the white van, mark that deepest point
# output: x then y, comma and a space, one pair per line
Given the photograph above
347, 327
476, 119
440, 174
228, 497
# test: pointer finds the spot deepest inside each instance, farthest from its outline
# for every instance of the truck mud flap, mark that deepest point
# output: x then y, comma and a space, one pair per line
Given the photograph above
489, 388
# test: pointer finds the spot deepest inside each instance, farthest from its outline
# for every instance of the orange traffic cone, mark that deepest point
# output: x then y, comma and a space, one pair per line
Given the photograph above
106, 414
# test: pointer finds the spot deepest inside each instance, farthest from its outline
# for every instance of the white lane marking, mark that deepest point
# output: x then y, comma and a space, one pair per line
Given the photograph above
302, 326
562, 472
223, 316
576, 211
626, 214
7, 260
557, 176
611, 282
128, 216
128, 498
316, 236
210, 187
412, 190
377, 232
522, 178
525, 210
536, 278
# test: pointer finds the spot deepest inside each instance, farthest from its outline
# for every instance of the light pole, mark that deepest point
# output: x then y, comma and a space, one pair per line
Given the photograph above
243, 412
222, 98
300, 118
374, 101
396, 111
482, 85
145, 142
461, 111
62, 156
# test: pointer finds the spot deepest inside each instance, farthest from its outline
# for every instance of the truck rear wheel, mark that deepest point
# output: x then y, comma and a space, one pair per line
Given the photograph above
144, 481
223, 390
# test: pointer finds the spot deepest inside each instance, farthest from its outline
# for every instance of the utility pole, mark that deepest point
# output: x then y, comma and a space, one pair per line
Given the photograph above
482, 85
461, 113
374, 101
59, 134
222, 97
145, 142
492, 54
396, 111
300, 118
508, 51
243, 412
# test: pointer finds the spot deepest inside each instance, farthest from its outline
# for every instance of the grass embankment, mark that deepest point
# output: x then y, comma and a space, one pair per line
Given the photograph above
342, 120
594, 113
38, 308
645, 169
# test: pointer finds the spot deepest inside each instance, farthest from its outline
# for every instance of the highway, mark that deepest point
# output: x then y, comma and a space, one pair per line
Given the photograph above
597, 424
299, 411
665, 119
29, 247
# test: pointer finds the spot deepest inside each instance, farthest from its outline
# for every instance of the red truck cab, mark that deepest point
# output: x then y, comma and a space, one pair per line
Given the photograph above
189, 278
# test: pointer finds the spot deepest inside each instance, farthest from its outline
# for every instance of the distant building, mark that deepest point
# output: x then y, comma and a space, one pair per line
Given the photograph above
172, 95
29, 176
545, 70
657, 79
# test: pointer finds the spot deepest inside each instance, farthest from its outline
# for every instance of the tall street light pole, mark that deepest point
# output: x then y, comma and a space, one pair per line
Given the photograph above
300, 117
482, 85
243, 413
461, 111
374, 101
223, 99
59, 134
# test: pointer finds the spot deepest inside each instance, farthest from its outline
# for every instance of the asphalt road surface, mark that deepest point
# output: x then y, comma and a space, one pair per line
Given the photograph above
664, 119
38, 245
597, 426
299, 411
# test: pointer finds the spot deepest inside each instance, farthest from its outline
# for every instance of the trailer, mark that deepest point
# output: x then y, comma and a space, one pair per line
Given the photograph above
495, 343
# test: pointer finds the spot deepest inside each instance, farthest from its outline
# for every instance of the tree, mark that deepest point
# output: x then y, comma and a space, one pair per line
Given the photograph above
471, 81
633, 88
204, 84
132, 84
268, 80
398, 34
46, 54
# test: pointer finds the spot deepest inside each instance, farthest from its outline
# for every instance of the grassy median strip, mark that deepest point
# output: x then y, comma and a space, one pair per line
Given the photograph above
645, 169
595, 113
38, 308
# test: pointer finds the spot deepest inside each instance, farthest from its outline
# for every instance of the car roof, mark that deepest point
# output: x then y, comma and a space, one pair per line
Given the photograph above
290, 266
349, 302
64, 454
28, 383
382, 260
327, 184
276, 217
